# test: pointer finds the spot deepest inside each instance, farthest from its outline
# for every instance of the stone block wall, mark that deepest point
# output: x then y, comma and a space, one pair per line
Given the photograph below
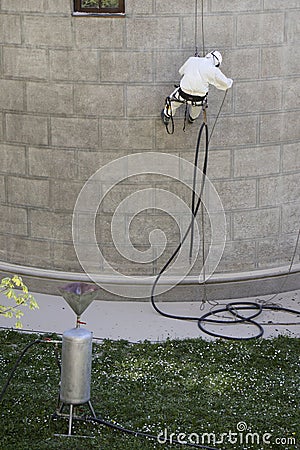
79, 92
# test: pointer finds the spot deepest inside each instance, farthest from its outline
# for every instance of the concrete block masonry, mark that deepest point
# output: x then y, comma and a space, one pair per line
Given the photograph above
13, 220
95, 100
71, 65
24, 6
56, 163
26, 192
74, 132
10, 29
25, 63
10, 154
12, 95
253, 162
49, 98
114, 67
80, 92
27, 129
47, 31
260, 29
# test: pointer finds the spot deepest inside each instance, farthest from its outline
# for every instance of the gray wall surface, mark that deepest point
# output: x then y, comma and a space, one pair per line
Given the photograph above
78, 92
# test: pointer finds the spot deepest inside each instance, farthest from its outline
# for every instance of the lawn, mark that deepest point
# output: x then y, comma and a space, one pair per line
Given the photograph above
224, 394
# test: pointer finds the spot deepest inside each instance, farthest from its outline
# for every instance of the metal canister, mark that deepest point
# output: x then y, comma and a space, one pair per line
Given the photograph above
76, 366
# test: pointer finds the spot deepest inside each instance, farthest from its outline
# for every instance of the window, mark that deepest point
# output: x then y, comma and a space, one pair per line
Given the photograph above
99, 6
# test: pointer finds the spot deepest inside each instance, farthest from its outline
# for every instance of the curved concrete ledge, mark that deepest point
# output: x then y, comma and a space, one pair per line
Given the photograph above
219, 286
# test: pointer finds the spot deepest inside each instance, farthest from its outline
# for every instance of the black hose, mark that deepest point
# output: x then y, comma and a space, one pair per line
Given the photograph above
94, 419
204, 171
233, 307
145, 435
19, 359
17, 363
194, 214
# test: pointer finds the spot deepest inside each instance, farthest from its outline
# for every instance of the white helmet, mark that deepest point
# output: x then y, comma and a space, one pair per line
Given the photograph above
216, 56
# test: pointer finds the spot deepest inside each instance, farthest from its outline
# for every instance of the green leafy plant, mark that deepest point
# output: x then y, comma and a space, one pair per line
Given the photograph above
103, 4
21, 298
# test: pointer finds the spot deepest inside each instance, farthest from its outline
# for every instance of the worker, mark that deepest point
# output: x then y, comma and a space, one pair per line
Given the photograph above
197, 73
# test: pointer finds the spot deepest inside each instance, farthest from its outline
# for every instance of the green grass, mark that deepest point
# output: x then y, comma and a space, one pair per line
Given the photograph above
190, 386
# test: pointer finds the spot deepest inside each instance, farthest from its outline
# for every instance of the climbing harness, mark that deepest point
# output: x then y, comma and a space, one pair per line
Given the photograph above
236, 309
168, 116
180, 96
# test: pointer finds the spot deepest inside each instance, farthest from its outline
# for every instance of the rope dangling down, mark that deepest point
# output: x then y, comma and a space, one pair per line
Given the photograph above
196, 28
168, 99
234, 308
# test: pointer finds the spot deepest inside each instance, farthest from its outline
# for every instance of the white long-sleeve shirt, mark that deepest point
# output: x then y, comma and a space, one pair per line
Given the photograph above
197, 73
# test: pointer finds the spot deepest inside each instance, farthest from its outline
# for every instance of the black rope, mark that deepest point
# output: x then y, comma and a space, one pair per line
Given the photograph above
202, 22
217, 117
196, 28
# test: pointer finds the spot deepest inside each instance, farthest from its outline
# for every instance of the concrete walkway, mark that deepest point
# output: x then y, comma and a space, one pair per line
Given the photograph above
138, 321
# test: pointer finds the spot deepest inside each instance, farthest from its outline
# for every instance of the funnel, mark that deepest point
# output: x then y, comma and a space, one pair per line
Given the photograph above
79, 296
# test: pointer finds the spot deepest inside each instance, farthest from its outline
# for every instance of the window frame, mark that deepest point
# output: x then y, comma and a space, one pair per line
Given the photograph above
120, 10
